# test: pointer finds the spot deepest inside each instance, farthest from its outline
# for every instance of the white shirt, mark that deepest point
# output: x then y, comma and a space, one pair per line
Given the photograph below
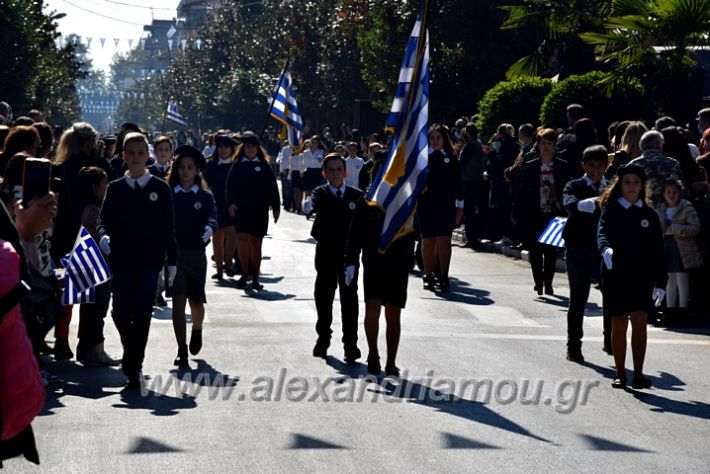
624, 202
602, 183
310, 159
335, 190
284, 159
221, 161
180, 189
353, 165
163, 168
142, 181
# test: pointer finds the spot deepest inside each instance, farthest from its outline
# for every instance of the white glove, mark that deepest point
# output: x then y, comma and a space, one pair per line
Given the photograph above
172, 271
606, 256
349, 274
588, 205
105, 245
208, 234
658, 294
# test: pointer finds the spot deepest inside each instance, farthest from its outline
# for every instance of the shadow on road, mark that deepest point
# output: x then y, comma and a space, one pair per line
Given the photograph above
461, 292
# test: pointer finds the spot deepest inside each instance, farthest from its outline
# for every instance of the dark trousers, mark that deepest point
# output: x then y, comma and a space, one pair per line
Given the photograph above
133, 294
583, 265
286, 191
473, 205
542, 261
91, 322
330, 274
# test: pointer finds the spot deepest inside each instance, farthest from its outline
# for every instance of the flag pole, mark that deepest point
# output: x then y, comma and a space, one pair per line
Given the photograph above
165, 115
273, 99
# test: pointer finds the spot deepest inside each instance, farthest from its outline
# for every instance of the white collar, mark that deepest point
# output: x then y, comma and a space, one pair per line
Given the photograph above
247, 160
180, 189
222, 161
162, 167
624, 202
588, 180
334, 190
142, 181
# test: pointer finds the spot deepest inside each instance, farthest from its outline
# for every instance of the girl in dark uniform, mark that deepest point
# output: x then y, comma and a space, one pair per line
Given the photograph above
195, 223
215, 174
631, 243
440, 207
251, 190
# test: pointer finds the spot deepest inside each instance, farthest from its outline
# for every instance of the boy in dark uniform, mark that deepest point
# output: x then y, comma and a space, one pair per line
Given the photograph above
137, 232
580, 198
334, 204
163, 153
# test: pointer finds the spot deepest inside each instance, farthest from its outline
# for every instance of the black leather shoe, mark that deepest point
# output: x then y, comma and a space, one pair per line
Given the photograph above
549, 290
62, 350
575, 356
392, 371
429, 282
352, 354
134, 381
181, 359
241, 283
255, 285
444, 284
640, 382
196, 341
320, 350
538, 289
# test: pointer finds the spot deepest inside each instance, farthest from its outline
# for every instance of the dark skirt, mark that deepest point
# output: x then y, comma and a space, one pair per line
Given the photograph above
191, 276
625, 293
312, 178
385, 277
252, 221
224, 219
437, 217
296, 179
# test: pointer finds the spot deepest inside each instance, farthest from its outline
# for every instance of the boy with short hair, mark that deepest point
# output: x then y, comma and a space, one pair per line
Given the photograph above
580, 198
334, 204
353, 164
137, 232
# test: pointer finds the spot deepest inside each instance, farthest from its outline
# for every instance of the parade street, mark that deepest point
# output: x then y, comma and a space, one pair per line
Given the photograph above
256, 400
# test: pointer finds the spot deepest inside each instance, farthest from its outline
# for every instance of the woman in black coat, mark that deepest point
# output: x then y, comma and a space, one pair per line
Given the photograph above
251, 190
631, 243
539, 200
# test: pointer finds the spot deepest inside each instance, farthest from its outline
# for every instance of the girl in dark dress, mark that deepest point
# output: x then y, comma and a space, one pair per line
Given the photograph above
633, 271
216, 171
251, 191
195, 223
440, 207
539, 200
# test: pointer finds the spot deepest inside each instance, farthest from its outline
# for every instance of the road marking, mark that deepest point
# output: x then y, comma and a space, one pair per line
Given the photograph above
542, 337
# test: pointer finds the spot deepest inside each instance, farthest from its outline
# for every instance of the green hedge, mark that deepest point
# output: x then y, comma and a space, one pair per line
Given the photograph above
516, 102
625, 102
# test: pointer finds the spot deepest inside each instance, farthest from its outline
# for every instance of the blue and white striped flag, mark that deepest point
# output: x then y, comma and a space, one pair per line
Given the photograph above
285, 108
173, 115
552, 235
85, 269
398, 184
73, 296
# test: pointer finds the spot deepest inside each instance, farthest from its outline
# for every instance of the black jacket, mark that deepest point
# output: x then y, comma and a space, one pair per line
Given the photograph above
333, 217
581, 228
252, 185
193, 211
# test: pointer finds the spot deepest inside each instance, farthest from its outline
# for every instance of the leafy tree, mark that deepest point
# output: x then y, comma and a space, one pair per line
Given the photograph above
652, 40
626, 101
517, 102
556, 25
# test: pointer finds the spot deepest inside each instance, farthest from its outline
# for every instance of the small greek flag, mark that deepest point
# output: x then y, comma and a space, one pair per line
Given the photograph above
552, 235
402, 177
85, 269
173, 115
285, 108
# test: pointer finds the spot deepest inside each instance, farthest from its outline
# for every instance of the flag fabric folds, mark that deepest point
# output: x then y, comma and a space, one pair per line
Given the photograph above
85, 269
552, 235
173, 115
402, 177
285, 108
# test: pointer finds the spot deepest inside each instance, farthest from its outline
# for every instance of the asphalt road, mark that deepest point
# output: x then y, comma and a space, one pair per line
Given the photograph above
255, 400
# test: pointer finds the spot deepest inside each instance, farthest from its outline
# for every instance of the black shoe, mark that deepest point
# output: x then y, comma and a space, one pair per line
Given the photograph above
217, 276
392, 371
575, 355
196, 341
181, 359
607, 348
320, 350
62, 350
229, 272
255, 285
548, 289
373, 365
429, 282
538, 289
134, 381
160, 301
444, 284
619, 382
352, 354
640, 382
241, 283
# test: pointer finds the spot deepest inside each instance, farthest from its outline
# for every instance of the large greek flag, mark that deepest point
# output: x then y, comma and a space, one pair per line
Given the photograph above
173, 115
285, 108
402, 177
85, 269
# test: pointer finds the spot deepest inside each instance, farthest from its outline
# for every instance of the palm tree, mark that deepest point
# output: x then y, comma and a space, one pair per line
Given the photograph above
557, 23
653, 41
